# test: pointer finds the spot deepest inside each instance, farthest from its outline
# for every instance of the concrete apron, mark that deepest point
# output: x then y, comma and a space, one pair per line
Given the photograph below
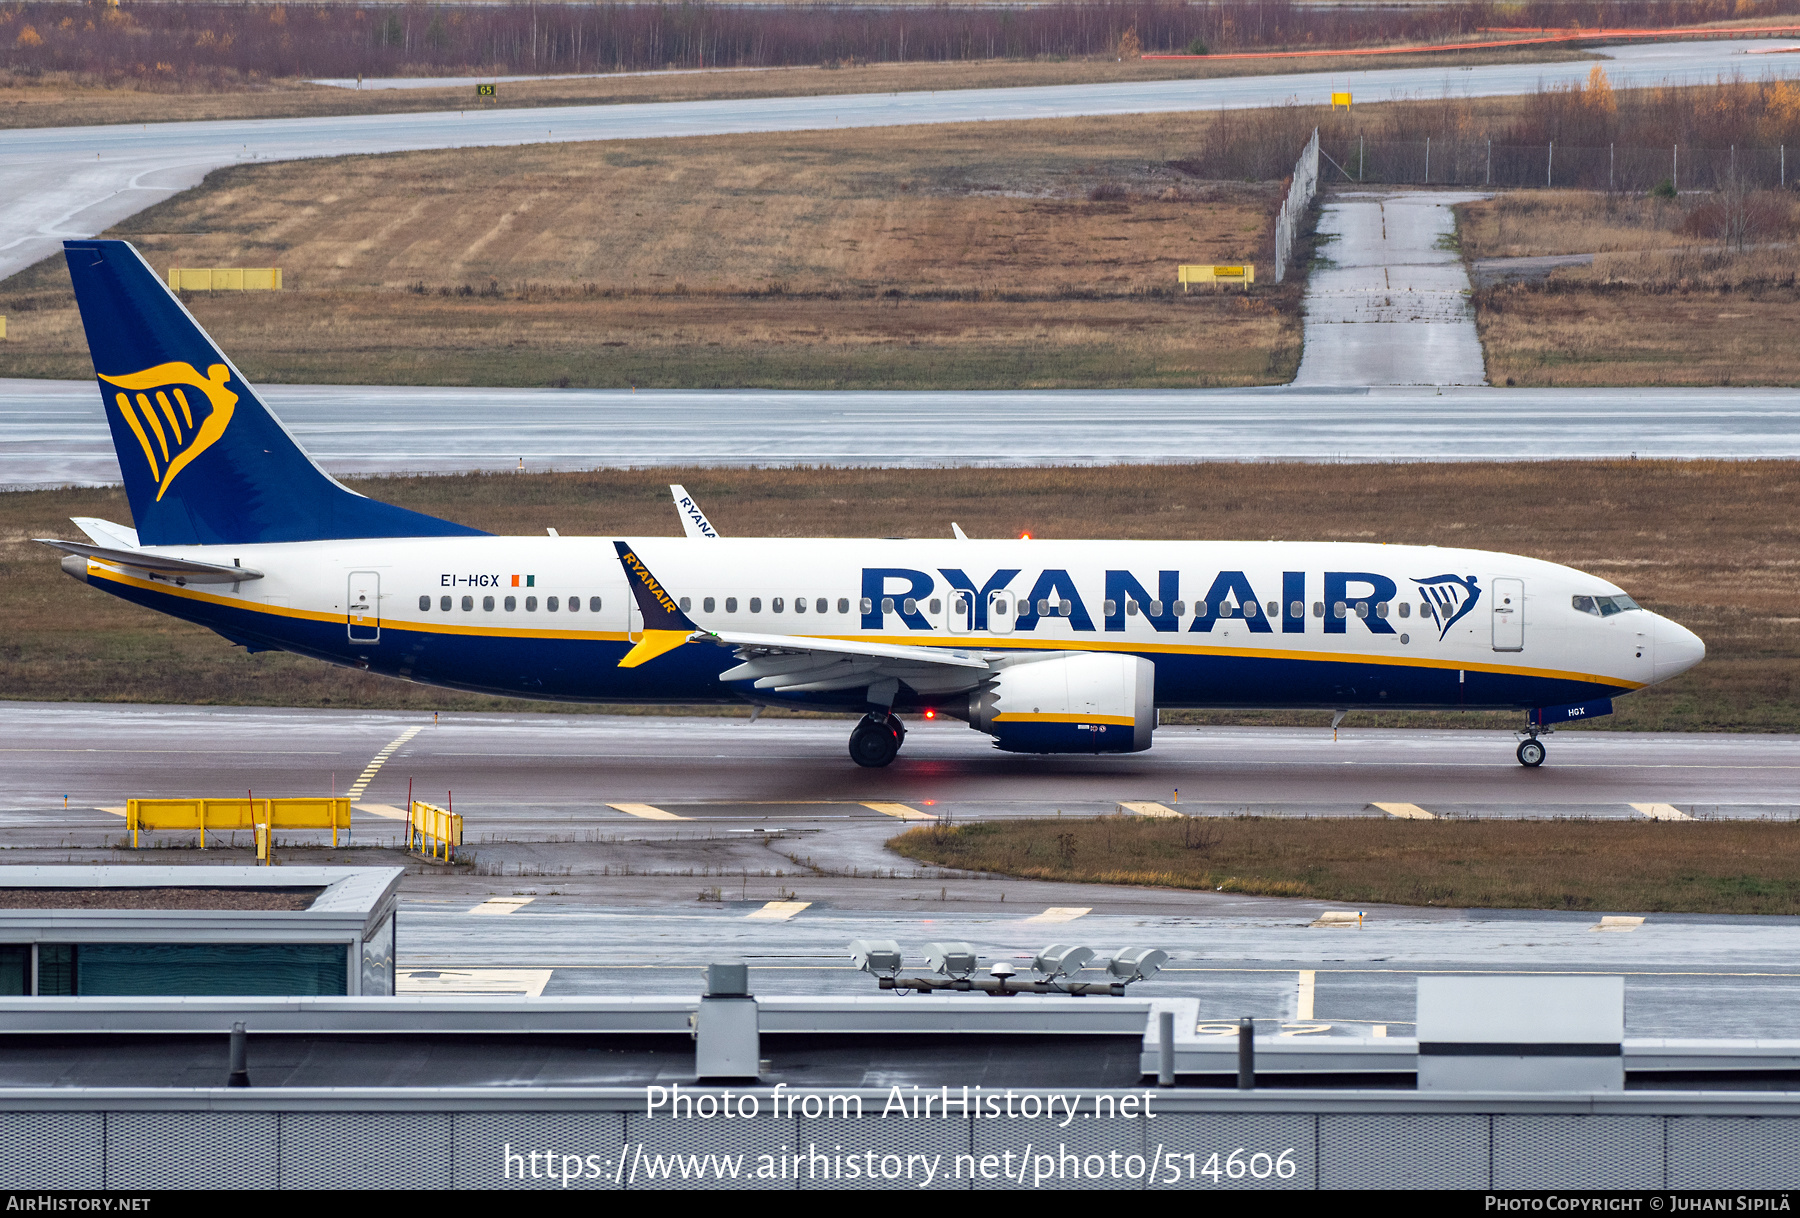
1391, 306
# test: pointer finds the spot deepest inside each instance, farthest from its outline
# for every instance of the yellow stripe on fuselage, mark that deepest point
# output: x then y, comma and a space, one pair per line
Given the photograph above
956, 642
1034, 717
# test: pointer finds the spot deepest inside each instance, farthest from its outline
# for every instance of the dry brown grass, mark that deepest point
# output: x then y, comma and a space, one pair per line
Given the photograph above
1711, 544
67, 101
1733, 867
1657, 307
799, 260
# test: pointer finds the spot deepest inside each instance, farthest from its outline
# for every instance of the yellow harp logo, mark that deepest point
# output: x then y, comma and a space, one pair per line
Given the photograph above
157, 407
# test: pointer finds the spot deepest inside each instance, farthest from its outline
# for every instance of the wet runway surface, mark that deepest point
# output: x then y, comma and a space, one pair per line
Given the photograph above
53, 433
779, 855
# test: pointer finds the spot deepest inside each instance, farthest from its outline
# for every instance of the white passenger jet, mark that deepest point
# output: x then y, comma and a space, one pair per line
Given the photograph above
1046, 646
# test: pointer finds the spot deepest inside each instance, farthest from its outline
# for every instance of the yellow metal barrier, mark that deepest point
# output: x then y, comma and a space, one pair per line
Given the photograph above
225, 278
1340, 99
150, 815
431, 829
1242, 275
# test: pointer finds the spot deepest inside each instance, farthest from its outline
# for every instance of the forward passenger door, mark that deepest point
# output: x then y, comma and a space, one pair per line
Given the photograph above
1509, 615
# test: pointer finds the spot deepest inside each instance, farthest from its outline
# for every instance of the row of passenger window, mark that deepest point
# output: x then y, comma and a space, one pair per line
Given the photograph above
552, 604
779, 604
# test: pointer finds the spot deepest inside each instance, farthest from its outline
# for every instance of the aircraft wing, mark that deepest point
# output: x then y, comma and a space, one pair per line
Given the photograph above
185, 570
794, 665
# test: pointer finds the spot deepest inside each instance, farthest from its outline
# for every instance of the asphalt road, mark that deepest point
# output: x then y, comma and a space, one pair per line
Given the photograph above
78, 181
52, 433
1391, 304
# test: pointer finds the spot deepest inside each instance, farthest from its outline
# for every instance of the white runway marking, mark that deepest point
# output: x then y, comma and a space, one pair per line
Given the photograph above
1406, 811
529, 982
1147, 808
502, 905
645, 812
1662, 812
1062, 913
778, 911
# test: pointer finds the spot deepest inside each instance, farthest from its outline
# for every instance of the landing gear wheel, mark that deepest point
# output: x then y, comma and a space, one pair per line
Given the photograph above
1531, 752
875, 741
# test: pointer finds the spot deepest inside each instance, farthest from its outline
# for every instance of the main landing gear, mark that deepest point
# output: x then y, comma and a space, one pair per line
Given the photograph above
1531, 751
876, 740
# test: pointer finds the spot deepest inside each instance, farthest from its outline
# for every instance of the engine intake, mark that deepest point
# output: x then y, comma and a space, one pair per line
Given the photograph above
1084, 703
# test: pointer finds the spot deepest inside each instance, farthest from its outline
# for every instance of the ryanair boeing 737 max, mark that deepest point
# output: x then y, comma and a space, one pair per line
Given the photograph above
1047, 646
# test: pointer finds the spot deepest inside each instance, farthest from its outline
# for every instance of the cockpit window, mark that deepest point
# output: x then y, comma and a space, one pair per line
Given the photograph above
1603, 606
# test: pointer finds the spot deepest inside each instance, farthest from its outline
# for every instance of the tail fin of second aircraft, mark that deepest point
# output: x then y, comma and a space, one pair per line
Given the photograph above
204, 461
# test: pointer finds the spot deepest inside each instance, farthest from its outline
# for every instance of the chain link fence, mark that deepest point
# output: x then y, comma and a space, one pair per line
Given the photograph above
1606, 167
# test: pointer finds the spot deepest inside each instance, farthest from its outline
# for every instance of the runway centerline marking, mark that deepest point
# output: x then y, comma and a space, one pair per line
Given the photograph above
1661, 812
898, 811
1303, 999
1144, 807
646, 812
1062, 913
502, 905
778, 911
380, 759
1406, 811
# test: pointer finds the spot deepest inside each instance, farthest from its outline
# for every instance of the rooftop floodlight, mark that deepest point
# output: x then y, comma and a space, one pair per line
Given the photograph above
1136, 963
951, 959
877, 957
1061, 960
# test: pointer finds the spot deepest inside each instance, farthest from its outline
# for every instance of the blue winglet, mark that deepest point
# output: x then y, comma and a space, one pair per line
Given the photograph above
204, 461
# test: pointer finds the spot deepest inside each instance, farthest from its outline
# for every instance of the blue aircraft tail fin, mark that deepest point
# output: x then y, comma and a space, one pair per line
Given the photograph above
204, 461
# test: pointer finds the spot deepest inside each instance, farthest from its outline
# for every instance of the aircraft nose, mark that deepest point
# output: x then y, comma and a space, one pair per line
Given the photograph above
1677, 649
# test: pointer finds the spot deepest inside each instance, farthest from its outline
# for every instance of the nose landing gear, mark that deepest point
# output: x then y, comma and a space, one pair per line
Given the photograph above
1531, 751
875, 741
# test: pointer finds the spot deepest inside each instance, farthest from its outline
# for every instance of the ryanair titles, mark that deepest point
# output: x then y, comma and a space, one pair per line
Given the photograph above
1280, 603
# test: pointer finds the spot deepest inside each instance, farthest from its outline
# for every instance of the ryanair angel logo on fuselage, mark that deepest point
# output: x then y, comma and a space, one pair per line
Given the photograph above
172, 424
1451, 598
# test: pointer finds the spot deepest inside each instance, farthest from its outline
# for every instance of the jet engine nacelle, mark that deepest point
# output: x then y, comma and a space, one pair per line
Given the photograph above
1085, 703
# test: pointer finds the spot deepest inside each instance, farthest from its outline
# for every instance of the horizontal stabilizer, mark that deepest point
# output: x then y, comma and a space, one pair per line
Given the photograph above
185, 570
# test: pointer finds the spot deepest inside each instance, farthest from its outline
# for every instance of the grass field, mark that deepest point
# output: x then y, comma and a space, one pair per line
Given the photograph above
1711, 544
1730, 867
1661, 305
1036, 254
62, 101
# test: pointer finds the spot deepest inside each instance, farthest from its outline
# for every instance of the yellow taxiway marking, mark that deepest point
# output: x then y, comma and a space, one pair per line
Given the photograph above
114, 811
1139, 807
528, 982
1303, 1002
1611, 923
1339, 917
501, 905
1662, 811
778, 911
380, 759
646, 811
1062, 913
899, 811
1406, 811
387, 810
